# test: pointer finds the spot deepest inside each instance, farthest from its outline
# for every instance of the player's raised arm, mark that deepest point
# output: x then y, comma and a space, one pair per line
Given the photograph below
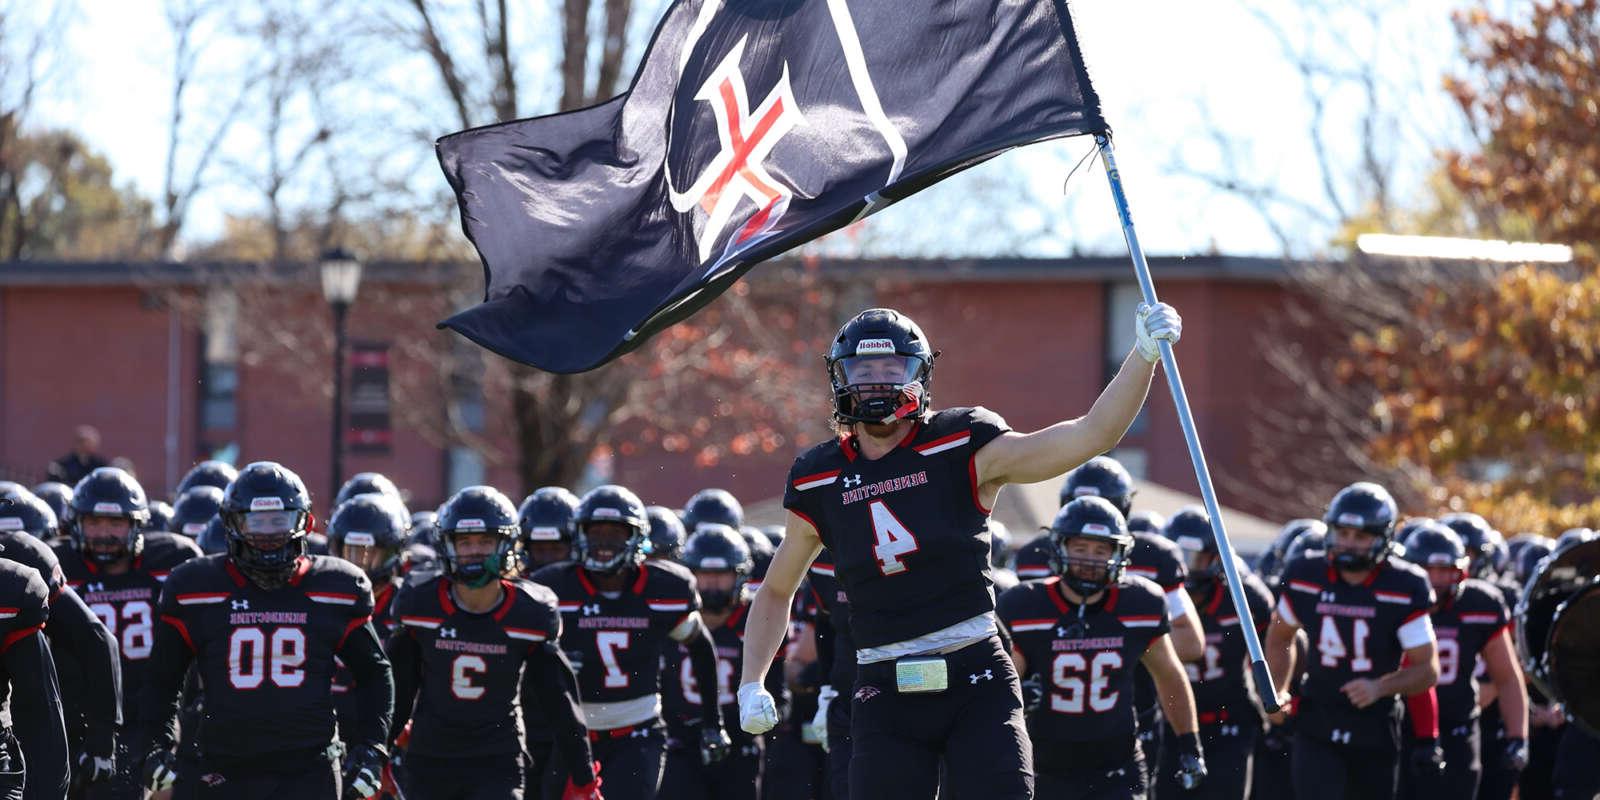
1049, 452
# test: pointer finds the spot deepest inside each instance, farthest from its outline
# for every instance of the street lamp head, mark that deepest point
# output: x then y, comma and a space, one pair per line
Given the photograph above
341, 276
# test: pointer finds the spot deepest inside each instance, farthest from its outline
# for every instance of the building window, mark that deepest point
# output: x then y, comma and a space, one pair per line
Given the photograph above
219, 371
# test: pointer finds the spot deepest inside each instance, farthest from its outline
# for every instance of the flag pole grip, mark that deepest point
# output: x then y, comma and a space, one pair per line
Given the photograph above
1169, 361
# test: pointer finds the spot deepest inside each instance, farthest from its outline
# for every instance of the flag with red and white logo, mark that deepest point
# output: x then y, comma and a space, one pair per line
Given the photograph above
752, 127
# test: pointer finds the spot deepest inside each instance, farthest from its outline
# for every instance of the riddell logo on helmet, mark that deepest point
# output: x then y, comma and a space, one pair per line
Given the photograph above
266, 504
471, 525
1353, 520
1086, 491
1096, 528
360, 539
107, 508
606, 513
10, 523
875, 347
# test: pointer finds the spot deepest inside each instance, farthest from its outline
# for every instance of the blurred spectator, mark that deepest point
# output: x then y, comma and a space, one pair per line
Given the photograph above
84, 458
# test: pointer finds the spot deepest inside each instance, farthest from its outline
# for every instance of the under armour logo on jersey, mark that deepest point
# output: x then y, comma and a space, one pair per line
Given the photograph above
96, 587
987, 675
852, 481
1229, 730
591, 609
640, 733
447, 633
240, 605
1342, 737
1329, 597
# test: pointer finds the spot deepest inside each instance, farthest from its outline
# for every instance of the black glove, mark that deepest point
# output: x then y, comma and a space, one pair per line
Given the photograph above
94, 768
1515, 756
1191, 762
363, 772
160, 769
714, 745
1032, 694
1427, 759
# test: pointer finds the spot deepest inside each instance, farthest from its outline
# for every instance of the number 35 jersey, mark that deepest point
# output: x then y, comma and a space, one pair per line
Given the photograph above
266, 658
1086, 662
908, 532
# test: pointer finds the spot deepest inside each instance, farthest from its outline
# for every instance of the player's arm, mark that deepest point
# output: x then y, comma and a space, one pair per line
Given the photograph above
1172, 684
36, 716
164, 671
1280, 654
548, 679
1418, 672
77, 629
405, 662
768, 624
1508, 682
1187, 634
374, 690
693, 635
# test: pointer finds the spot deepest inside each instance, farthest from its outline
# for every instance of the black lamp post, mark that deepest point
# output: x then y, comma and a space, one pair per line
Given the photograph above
341, 276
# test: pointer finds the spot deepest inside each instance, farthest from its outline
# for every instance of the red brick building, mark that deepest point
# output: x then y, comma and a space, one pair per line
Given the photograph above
159, 358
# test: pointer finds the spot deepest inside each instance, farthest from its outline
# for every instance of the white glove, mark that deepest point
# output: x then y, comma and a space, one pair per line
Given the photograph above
758, 712
819, 723
1154, 323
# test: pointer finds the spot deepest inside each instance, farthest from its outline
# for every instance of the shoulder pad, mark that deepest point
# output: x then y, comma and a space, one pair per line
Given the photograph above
554, 575
28, 551
166, 550
1140, 589
537, 592
811, 467
1483, 592
416, 596
23, 597
668, 574
336, 570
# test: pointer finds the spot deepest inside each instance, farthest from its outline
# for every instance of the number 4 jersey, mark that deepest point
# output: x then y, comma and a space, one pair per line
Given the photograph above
1358, 630
908, 532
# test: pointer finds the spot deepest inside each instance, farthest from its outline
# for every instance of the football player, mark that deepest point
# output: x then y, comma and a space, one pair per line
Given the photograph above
1076, 637
1364, 612
58, 496
902, 500
368, 530
620, 616
474, 648
194, 509
721, 563
712, 505
207, 473
371, 483
263, 625
1230, 715
1470, 619
118, 569
33, 748
667, 533
86, 653
545, 518
837, 653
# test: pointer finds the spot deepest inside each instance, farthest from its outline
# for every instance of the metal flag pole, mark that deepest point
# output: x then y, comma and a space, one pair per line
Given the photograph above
1169, 361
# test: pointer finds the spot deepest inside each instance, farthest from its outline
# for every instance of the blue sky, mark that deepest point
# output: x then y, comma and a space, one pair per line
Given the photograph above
1168, 72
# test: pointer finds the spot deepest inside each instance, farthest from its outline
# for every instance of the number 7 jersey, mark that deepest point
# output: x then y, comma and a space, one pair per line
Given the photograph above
908, 531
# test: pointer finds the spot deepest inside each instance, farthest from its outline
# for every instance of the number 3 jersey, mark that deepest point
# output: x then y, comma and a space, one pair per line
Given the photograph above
1465, 623
1356, 630
472, 666
908, 531
266, 658
1086, 658
616, 641
127, 603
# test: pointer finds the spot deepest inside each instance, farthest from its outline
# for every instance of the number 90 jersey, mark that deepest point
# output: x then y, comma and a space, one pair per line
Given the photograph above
266, 658
1086, 663
908, 532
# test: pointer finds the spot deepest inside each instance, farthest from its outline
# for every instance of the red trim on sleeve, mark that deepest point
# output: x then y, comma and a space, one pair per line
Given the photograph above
349, 629
18, 635
803, 515
942, 440
183, 630
972, 478
301, 567
816, 476
1421, 612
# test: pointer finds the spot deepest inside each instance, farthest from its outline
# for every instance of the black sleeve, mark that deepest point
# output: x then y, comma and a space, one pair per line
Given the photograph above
163, 682
703, 657
374, 689
405, 657
36, 717
548, 680
75, 628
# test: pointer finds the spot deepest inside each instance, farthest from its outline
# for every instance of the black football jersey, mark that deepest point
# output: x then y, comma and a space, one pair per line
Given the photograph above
1086, 662
1464, 624
616, 644
908, 533
24, 606
1159, 560
1223, 688
1033, 559
469, 702
681, 695
127, 603
266, 658
384, 622
1355, 631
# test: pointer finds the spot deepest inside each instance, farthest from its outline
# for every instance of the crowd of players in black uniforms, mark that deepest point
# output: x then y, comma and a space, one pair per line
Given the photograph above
236, 645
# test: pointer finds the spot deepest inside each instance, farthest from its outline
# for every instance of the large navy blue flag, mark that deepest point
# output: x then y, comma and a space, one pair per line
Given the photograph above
752, 127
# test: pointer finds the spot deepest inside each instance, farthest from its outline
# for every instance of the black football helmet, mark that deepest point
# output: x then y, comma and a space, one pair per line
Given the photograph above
1310, 540
1190, 529
1366, 507
424, 530
370, 483
479, 509
1433, 544
1485, 546
712, 505
214, 539
1094, 518
1146, 521
718, 548
109, 492
207, 473
761, 549
160, 516
666, 533
546, 521
195, 509
56, 495
22, 511
1528, 558
1101, 476
999, 543
266, 513
12, 487
370, 520
611, 504
775, 534
881, 368
1277, 557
